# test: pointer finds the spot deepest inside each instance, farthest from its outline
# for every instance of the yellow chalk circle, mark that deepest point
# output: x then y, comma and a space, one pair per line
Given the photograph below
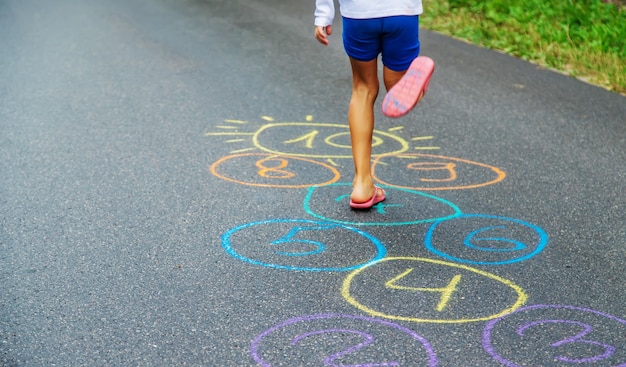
305, 139
431, 291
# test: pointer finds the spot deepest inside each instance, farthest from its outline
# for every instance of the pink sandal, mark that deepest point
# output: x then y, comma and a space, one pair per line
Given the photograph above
403, 96
375, 199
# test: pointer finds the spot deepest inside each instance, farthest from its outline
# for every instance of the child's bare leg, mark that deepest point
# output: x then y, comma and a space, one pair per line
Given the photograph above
361, 120
404, 91
391, 77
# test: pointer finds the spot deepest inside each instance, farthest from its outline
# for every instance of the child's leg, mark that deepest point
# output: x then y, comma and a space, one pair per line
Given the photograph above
361, 40
365, 87
404, 70
404, 94
391, 77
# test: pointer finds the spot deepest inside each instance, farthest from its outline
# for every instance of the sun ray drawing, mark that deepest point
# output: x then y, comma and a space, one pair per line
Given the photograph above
309, 139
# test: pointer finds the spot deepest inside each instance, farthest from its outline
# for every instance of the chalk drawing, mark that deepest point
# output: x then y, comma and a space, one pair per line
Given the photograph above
398, 288
402, 207
275, 171
489, 236
424, 172
437, 291
294, 244
284, 344
549, 333
312, 139
607, 350
266, 170
446, 292
334, 137
368, 340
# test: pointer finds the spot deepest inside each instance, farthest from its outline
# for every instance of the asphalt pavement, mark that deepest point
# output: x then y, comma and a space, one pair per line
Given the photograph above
173, 192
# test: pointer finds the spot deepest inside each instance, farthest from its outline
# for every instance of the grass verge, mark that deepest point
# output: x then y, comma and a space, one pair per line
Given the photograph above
582, 38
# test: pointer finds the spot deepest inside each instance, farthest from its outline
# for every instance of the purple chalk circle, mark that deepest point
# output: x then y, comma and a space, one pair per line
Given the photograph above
329, 360
581, 338
355, 343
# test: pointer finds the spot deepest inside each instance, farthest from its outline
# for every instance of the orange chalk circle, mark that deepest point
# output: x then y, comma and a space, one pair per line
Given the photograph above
437, 172
276, 171
269, 170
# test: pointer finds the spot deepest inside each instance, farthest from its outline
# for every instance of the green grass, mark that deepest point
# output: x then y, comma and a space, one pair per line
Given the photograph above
583, 38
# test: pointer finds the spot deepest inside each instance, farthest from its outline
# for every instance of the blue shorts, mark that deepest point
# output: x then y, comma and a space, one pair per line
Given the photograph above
396, 38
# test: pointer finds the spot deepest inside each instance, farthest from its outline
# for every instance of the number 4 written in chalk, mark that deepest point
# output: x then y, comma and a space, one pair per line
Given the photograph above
446, 292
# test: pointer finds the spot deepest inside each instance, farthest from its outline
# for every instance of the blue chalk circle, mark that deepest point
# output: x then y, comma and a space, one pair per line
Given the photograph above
471, 238
298, 244
402, 207
487, 244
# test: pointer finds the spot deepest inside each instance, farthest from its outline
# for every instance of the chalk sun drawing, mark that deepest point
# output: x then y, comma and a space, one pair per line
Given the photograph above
307, 138
296, 154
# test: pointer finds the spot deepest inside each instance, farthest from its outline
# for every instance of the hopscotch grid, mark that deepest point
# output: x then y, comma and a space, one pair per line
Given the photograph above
378, 159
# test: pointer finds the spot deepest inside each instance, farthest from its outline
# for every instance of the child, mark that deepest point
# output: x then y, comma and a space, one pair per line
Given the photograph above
370, 28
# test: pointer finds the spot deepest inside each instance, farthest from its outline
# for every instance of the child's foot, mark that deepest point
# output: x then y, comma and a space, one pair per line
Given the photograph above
377, 197
403, 96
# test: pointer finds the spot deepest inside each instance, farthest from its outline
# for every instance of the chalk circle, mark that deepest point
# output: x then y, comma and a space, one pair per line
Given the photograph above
572, 335
306, 168
301, 245
404, 294
307, 135
285, 338
443, 172
497, 240
402, 207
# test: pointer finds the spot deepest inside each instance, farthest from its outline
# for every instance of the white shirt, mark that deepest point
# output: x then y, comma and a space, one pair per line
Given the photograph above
364, 9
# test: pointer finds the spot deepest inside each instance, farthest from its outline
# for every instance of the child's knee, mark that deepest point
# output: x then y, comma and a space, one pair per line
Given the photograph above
368, 91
